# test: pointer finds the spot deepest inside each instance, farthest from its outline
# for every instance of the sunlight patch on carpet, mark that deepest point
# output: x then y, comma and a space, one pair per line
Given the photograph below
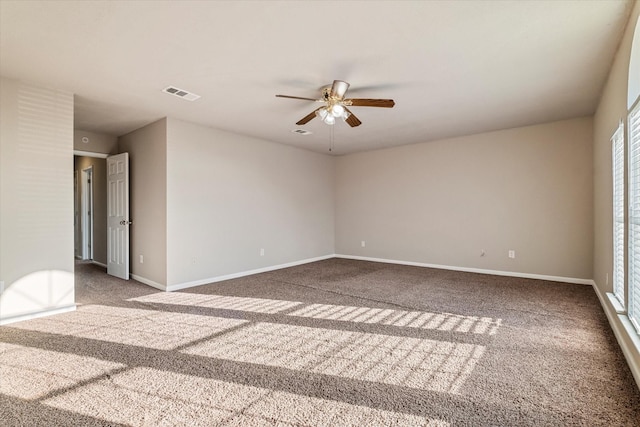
149, 328
381, 316
32, 373
411, 362
408, 319
222, 302
155, 397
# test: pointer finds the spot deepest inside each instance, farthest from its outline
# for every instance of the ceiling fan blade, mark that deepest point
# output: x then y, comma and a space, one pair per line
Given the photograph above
339, 88
352, 120
297, 97
363, 102
306, 119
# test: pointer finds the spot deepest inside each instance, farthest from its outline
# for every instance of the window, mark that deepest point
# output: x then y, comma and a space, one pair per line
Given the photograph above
617, 147
634, 216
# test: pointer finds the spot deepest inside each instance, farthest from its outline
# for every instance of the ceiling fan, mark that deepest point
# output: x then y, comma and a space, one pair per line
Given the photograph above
335, 105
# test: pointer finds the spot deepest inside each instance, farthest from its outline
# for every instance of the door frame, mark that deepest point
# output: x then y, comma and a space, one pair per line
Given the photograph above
77, 231
86, 214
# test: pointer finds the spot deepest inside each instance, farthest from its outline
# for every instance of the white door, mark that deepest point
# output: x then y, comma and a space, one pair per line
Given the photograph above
118, 215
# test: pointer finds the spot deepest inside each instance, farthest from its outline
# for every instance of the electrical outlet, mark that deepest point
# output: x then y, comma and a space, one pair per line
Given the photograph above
512, 253
141, 259
261, 251
363, 243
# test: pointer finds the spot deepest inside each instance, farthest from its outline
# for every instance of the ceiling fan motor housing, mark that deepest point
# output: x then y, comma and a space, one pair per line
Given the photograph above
339, 89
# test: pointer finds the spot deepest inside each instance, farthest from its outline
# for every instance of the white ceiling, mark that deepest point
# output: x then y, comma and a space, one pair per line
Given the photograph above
453, 67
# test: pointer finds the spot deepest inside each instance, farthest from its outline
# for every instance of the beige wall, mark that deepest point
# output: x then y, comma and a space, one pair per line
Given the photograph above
611, 109
99, 203
36, 200
95, 142
228, 196
527, 189
147, 148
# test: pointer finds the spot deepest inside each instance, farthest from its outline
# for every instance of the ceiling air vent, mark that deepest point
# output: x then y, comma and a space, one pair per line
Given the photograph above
181, 93
302, 131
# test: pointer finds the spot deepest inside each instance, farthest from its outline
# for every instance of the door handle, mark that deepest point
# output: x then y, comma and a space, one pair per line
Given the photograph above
125, 222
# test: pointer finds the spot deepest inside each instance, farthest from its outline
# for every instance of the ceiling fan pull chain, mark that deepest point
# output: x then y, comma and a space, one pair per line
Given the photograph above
331, 138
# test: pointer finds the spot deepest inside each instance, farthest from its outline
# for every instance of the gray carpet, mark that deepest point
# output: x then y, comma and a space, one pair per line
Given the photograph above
332, 343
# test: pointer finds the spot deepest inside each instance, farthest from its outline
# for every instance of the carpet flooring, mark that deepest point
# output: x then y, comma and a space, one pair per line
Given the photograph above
331, 343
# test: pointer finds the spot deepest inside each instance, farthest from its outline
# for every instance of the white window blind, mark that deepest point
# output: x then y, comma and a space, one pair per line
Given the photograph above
617, 147
634, 216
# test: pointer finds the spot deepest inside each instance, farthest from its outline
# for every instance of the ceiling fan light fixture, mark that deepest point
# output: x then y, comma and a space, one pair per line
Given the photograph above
322, 113
329, 119
337, 110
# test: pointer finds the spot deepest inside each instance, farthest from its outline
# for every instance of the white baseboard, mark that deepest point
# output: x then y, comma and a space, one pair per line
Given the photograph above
38, 314
185, 285
200, 282
148, 282
93, 261
621, 326
473, 270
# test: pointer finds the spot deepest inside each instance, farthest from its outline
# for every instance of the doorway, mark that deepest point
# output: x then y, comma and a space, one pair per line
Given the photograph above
90, 208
